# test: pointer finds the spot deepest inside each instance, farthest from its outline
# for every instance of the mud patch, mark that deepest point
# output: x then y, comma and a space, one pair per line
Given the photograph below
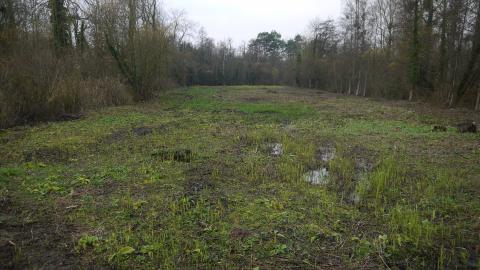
67, 117
162, 128
265, 144
11, 137
467, 127
47, 154
179, 155
4, 140
101, 192
142, 131
198, 180
240, 234
271, 171
36, 239
114, 137
254, 99
439, 128
271, 91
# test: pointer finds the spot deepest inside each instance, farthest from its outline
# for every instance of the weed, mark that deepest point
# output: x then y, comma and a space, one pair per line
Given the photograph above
204, 190
88, 242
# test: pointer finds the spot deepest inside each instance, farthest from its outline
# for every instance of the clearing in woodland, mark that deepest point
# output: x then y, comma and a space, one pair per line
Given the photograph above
243, 178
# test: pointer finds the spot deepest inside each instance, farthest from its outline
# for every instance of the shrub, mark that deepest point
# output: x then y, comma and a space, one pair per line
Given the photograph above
37, 86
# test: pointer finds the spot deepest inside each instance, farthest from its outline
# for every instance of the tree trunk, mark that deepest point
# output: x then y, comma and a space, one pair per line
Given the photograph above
414, 59
443, 46
135, 82
477, 103
335, 77
451, 99
365, 85
472, 73
60, 25
7, 25
357, 91
458, 55
223, 68
428, 46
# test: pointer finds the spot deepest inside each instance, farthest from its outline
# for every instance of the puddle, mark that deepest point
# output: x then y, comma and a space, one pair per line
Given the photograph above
326, 153
321, 176
354, 198
364, 161
362, 166
276, 149
362, 183
289, 127
286, 123
317, 177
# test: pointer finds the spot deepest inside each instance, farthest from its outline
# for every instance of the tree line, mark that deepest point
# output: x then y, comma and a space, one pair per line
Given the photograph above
63, 56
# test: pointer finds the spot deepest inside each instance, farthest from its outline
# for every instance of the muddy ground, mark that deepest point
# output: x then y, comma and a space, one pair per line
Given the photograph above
243, 178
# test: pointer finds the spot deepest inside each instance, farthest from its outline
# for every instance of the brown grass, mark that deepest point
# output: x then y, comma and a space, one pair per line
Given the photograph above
38, 86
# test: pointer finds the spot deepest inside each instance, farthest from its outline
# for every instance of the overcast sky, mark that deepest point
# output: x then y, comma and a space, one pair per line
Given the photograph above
242, 20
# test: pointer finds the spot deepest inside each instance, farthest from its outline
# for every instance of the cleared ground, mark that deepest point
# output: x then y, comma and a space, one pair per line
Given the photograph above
243, 178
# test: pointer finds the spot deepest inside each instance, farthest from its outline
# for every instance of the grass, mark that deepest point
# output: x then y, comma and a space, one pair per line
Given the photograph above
203, 190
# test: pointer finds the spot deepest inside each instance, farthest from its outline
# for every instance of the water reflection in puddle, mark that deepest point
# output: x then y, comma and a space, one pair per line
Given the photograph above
317, 177
326, 153
277, 149
355, 198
